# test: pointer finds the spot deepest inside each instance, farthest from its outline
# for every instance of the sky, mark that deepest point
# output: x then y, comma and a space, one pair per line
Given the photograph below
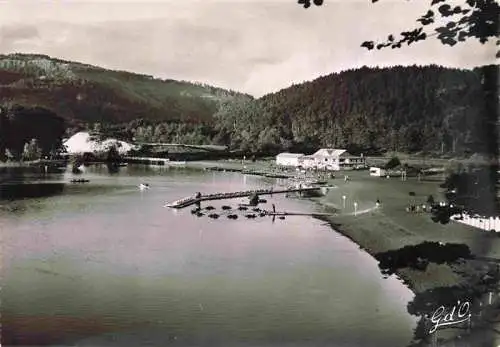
251, 46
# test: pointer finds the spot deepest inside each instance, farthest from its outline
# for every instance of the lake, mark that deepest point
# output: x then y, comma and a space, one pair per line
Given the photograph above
105, 264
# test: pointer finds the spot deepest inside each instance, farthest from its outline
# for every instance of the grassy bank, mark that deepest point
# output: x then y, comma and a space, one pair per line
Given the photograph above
390, 227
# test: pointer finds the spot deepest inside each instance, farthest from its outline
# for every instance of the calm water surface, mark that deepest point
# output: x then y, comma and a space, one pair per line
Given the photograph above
104, 264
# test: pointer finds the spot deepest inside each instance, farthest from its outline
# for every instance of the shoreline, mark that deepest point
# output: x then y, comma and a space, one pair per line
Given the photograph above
390, 227
358, 228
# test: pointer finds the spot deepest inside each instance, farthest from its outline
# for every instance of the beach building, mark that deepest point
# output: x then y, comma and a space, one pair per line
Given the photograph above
307, 162
288, 159
378, 172
332, 159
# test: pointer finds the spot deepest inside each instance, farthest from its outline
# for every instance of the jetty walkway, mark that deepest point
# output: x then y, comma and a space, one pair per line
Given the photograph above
252, 172
191, 200
147, 160
313, 214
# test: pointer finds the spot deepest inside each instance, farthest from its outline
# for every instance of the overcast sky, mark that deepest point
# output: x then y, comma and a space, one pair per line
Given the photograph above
253, 46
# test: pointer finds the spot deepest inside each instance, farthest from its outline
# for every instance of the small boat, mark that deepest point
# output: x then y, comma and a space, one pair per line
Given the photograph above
213, 215
209, 208
232, 216
225, 207
143, 186
79, 181
250, 216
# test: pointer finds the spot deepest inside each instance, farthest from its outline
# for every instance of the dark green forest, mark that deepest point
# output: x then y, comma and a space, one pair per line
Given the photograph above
407, 109
432, 110
31, 131
429, 110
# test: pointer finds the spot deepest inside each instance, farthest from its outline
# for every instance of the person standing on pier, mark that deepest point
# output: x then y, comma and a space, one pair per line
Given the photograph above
274, 208
198, 203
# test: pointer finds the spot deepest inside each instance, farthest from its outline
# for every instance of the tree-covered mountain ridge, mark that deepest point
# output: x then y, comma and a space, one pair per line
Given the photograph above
401, 108
83, 93
409, 109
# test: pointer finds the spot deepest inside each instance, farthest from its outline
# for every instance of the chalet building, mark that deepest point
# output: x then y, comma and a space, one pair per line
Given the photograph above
307, 162
289, 159
332, 159
323, 159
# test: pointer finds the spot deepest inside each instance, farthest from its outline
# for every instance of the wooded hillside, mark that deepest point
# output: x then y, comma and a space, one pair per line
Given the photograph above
407, 109
82, 93
410, 109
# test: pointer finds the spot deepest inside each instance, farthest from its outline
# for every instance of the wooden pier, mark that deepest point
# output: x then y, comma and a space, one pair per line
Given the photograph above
312, 214
253, 172
147, 160
191, 200
152, 161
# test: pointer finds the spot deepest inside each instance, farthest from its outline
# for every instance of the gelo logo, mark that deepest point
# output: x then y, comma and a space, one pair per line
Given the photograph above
459, 313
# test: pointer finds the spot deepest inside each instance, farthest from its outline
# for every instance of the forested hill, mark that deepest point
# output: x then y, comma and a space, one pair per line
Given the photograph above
404, 109
367, 110
82, 93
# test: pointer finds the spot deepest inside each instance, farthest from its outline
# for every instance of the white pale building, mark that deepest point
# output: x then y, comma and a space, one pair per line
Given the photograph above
378, 172
289, 159
332, 159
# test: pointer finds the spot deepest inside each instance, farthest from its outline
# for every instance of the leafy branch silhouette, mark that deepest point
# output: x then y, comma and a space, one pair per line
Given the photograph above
475, 19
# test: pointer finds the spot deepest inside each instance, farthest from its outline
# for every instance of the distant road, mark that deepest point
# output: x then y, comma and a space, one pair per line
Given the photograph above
210, 148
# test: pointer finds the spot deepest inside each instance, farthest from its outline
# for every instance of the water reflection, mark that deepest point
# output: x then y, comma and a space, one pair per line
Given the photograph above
15, 191
117, 268
23, 188
113, 168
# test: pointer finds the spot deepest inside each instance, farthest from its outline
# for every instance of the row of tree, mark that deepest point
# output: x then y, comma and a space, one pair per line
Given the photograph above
368, 110
371, 110
29, 132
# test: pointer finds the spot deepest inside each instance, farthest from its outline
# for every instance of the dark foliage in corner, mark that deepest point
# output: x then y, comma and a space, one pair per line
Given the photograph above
19, 125
473, 191
419, 256
474, 19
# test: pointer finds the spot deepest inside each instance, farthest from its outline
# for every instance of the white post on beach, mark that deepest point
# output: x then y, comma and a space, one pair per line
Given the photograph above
343, 198
355, 207
490, 298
